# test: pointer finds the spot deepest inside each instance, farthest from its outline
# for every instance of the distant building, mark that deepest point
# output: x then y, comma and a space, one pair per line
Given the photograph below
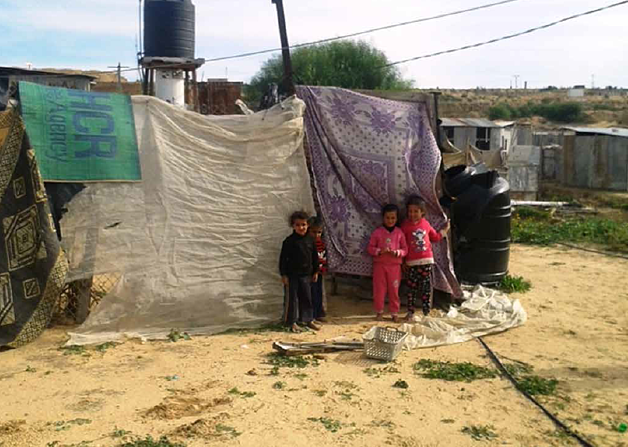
482, 133
577, 91
595, 158
11, 76
219, 96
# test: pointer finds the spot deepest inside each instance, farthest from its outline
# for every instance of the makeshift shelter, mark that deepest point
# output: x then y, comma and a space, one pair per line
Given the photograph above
366, 152
197, 241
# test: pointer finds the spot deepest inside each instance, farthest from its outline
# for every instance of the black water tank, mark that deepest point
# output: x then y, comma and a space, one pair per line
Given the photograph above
169, 27
481, 223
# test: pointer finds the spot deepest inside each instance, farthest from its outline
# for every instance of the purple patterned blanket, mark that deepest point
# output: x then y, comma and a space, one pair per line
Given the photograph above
367, 152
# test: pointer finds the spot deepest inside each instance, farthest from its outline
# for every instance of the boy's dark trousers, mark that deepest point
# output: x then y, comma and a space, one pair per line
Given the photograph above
317, 298
298, 300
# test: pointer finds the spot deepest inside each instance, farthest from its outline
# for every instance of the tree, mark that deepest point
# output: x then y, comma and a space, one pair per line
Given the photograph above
346, 63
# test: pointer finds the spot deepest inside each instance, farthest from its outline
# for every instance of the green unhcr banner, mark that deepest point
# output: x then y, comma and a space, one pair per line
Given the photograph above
80, 136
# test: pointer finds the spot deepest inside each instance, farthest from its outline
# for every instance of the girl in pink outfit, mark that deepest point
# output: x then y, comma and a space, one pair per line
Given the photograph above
388, 248
419, 236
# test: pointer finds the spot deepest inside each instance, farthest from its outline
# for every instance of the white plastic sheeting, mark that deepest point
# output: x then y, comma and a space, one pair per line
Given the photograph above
483, 312
198, 240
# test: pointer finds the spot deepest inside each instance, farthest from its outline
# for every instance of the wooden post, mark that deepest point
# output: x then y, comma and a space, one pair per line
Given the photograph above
145, 82
285, 50
197, 103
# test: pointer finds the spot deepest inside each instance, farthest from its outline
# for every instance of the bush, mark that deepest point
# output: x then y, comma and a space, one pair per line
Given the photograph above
567, 112
499, 112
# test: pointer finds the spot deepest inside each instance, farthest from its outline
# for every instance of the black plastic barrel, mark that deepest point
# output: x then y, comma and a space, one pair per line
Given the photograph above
481, 216
169, 28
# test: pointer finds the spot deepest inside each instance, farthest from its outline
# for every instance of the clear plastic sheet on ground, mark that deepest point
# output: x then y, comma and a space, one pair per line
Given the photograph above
484, 311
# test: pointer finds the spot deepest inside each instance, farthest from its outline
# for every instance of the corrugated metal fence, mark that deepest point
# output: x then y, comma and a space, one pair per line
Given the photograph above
595, 161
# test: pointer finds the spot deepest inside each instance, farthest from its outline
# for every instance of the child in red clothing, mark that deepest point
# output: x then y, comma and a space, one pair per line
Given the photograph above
388, 248
419, 236
318, 287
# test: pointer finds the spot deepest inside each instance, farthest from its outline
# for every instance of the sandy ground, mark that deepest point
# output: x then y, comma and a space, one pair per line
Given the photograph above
577, 332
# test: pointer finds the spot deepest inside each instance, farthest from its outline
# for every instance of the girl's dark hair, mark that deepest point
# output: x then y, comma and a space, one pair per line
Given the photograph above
390, 207
417, 201
315, 222
298, 215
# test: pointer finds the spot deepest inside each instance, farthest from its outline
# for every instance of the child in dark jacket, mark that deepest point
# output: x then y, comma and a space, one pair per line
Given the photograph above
298, 266
419, 236
318, 303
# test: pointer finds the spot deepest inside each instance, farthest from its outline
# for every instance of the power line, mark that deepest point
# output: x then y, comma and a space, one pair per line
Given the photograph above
439, 53
360, 33
510, 36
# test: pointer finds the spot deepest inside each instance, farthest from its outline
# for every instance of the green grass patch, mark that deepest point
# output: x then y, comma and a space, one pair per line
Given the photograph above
379, 372
535, 385
331, 425
458, 372
401, 384
539, 228
105, 346
616, 203
511, 284
285, 361
532, 384
175, 335
149, 441
227, 430
120, 433
246, 394
518, 368
279, 385
66, 425
480, 432
74, 350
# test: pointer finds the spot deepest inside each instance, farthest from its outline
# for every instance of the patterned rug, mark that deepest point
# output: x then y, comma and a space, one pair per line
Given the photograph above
366, 152
32, 266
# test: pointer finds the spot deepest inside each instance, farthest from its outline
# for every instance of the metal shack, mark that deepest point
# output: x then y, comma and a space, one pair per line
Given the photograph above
482, 133
596, 158
11, 76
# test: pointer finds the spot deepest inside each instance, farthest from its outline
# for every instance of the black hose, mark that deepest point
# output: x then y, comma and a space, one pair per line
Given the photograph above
553, 418
605, 253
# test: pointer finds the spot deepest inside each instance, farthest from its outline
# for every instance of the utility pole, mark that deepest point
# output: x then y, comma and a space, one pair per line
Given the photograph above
285, 50
516, 81
119, 67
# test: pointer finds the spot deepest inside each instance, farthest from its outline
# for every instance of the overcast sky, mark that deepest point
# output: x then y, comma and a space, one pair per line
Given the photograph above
93, 34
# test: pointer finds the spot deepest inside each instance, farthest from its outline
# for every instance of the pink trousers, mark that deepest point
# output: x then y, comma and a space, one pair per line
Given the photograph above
386, 280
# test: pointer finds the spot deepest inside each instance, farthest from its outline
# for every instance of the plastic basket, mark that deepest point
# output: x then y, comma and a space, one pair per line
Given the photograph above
383, 343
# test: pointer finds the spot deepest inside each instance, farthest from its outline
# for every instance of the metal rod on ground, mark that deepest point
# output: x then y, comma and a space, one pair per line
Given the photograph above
539, 203
285, 49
